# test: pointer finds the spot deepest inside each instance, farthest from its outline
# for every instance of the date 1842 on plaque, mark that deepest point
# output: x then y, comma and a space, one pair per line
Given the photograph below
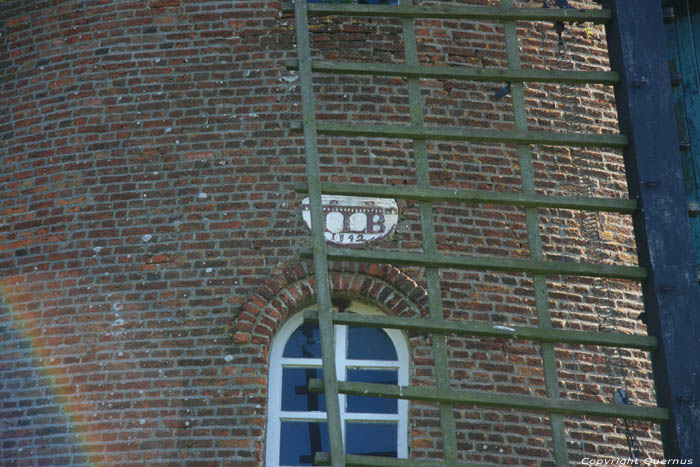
352, 220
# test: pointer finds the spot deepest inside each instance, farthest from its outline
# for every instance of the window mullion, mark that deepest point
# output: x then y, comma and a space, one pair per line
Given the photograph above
372, 417
301, 362
372, 364
341, 345
302, 416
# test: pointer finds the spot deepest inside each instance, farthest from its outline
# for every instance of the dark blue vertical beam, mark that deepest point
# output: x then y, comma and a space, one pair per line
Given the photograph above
671, 295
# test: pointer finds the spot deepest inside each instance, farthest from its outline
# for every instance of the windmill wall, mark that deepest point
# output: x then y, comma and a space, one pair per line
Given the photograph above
150, 231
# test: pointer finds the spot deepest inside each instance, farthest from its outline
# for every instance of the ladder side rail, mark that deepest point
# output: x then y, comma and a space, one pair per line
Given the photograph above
527, 181
323, 298
432, 274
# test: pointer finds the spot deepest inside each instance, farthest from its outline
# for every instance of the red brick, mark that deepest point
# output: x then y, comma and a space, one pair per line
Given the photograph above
118, 114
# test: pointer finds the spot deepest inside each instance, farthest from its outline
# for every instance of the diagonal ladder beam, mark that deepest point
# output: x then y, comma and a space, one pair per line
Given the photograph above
313, 177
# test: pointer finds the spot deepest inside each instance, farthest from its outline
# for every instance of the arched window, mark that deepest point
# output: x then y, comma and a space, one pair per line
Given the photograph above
296, 422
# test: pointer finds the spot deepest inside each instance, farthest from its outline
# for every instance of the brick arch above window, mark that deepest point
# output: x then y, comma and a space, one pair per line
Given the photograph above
292, 288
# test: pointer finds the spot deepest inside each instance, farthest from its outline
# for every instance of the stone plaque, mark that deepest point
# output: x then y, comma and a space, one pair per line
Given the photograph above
352, 220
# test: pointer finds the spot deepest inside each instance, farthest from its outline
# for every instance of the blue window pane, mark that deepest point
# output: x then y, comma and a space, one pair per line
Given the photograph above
372, 439
305, 342
300, 440
370, 344
295, 394
361, 404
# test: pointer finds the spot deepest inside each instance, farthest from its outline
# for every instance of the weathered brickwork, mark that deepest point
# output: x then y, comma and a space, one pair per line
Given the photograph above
150, 232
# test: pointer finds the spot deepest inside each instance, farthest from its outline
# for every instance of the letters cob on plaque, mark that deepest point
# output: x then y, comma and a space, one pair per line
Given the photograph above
352, 220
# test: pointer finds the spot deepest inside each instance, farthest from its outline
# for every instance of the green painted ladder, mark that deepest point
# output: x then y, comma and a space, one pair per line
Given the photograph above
433, 261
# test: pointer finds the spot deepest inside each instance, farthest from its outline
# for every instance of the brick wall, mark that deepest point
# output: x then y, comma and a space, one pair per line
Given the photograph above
150, 232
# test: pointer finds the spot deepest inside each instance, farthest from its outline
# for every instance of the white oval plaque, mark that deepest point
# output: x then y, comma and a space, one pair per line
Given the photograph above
352, 220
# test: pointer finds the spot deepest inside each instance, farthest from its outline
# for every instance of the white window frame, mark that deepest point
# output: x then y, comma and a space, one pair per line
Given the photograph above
275, 415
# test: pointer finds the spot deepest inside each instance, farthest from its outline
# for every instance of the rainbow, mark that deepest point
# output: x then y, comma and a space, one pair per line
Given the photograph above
23, 322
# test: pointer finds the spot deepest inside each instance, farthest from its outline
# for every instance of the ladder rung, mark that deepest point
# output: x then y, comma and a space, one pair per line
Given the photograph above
470, 134
562, 336
354, 460
500, 400
460, 73
474, 12
623, 206
484, 263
